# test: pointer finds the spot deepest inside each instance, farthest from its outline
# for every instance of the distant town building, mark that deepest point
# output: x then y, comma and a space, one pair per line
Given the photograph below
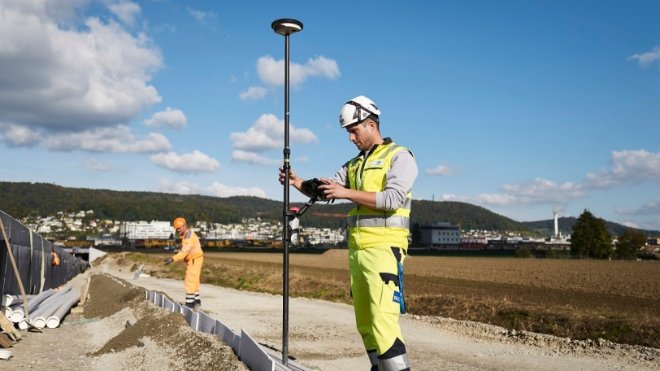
441, 235
145, 230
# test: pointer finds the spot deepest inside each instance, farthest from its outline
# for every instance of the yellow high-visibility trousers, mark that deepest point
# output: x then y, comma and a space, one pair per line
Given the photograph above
193, 272
376, 295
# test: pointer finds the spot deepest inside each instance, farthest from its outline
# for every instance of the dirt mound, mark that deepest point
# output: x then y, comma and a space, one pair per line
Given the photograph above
117, 329
157, 326
188, 349
154, 328
108, 296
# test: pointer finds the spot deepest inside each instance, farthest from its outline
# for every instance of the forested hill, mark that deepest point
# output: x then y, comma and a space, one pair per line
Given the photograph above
43, 199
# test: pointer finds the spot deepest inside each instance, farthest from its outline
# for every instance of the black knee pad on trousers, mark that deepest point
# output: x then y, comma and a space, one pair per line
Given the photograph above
397, 349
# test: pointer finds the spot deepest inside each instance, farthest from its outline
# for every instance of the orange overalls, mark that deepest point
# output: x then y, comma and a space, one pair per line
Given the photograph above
191, 252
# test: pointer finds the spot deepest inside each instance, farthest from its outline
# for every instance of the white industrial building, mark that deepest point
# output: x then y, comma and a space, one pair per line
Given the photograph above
146, 230
442, 235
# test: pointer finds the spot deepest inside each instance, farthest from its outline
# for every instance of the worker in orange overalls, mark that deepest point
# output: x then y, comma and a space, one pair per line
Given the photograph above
56, 259
191, 252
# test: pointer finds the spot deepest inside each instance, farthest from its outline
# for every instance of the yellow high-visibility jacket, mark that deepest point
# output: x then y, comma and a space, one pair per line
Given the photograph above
372, 227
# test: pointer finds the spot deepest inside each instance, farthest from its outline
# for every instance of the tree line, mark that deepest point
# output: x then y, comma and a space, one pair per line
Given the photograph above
592, 239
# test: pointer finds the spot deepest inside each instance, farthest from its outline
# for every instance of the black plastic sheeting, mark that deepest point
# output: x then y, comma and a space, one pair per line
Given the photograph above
34, 261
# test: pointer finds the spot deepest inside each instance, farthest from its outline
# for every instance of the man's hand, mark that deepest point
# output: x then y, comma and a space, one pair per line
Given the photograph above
333, 190
294, 179
168, 261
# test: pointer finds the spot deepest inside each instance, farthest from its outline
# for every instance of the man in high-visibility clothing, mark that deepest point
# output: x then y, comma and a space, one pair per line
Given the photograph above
379, 181
191, 252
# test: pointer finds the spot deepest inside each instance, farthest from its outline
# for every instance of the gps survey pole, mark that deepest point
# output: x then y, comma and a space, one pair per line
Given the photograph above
286, 27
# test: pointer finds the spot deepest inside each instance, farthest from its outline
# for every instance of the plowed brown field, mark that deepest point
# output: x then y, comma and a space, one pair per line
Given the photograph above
580, 299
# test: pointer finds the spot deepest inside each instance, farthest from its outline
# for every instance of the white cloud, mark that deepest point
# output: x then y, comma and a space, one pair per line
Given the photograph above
271, 71
215, 189
19, 135
172, 118
455, 197
302, 159
538, 191
440, 170
221, 190
252, 158
628, 167
201, 16
493, 199
544, 191
71, 77
651, 225
126, 11
630, 224
645, 59
253, 93
97, 166
651, 208
268, 133
118, 139
194, 162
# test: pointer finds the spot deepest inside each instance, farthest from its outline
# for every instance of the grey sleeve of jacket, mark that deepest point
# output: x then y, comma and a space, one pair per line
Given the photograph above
340, 176
398, 182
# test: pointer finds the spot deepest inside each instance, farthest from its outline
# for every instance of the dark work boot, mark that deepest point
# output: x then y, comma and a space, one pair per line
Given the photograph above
198, 303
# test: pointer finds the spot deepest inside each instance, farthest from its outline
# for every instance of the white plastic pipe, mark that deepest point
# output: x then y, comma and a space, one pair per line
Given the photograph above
18, 314
55, 320
39, 320
48, 307
8, 300
46, 304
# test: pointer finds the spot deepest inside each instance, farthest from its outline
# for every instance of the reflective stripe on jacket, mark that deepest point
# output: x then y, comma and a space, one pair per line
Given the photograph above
372, 227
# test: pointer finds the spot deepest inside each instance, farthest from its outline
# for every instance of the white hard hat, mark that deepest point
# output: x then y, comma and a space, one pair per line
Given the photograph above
356, 110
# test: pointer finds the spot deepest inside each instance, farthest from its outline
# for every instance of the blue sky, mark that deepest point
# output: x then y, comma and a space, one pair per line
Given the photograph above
516, 106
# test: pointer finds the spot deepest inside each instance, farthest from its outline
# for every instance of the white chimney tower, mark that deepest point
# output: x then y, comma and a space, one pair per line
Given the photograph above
555, 212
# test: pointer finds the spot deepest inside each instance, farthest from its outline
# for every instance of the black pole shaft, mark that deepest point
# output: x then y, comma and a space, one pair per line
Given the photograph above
285, 219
